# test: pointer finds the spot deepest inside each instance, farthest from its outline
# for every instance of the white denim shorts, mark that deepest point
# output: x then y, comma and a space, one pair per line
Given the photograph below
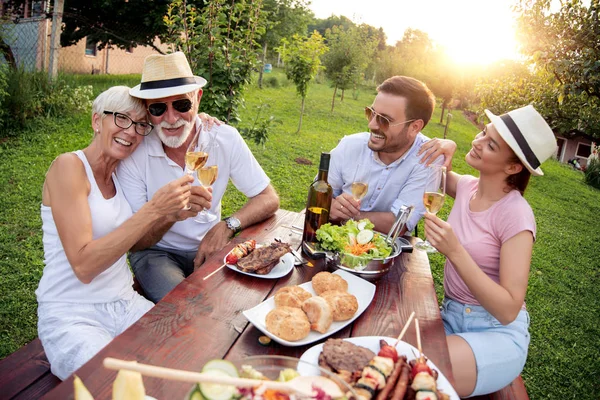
73, 333
500, 350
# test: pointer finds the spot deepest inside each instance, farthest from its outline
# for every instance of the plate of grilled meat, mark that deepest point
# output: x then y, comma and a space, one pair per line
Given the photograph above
262, 261
379, 371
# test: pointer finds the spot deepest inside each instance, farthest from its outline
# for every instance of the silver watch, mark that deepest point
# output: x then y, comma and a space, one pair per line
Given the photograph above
234, 224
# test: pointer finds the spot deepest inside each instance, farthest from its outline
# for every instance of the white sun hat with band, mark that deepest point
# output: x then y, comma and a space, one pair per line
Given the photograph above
528, 134
166, 75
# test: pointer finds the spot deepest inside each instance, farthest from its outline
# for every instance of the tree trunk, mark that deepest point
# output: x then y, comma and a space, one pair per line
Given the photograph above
443, 109
342, 99
262, 66
301, 114
333, 99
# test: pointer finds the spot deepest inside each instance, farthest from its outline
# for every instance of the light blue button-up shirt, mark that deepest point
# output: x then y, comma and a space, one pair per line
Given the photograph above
390, 186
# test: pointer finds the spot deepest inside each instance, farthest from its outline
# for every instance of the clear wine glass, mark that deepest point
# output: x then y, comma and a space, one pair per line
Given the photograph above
360, 182
195, 156
433, 197
207, 175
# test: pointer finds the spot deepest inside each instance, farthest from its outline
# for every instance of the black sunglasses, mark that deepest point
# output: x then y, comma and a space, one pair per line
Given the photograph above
158, 109
123, 121
383, 121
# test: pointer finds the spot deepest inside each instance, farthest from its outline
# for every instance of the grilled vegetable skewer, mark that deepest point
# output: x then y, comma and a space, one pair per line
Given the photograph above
239, 251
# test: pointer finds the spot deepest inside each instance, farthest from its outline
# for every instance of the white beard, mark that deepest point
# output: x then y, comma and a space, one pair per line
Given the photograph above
174, 142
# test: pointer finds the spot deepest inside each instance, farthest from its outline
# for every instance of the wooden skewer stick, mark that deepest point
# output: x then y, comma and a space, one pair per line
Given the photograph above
301, 384
419, 340
401, 335
214, 272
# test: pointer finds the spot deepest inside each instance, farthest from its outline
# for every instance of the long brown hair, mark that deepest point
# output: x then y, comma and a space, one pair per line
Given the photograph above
520, 180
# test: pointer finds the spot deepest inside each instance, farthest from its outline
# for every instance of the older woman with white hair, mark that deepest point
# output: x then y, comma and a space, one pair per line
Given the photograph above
85, 297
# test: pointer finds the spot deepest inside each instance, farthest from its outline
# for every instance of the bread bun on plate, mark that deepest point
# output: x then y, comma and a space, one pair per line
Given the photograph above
288, 323
325, 281
291, 296
343, 304
319, 313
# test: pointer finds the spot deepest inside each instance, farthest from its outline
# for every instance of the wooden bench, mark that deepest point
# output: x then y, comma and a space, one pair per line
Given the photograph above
25, 374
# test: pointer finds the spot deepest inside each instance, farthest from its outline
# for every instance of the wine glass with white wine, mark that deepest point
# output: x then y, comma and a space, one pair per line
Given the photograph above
360, 182
433, 197
207, 175
195, 156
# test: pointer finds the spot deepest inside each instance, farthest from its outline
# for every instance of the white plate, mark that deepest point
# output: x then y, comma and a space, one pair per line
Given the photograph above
372, 343
363, 290
286, 264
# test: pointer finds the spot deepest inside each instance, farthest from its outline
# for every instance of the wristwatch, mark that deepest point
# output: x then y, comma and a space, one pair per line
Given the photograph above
234, 224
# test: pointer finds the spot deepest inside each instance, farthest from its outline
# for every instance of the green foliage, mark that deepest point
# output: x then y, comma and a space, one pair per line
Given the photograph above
350, 51
303, 60
272, 81
259, 131
592, 173
31, 95
564, 44
3, 92
220, 43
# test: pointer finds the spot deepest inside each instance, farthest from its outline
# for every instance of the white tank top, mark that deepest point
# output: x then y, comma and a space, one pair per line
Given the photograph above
59, 283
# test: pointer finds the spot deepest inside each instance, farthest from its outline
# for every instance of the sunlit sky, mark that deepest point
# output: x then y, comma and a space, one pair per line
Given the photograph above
473, 31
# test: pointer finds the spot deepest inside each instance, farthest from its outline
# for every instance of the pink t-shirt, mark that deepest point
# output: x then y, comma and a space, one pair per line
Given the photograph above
483, 233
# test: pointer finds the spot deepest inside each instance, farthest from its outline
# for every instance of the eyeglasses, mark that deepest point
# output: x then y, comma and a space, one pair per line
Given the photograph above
383, 121
158, 109
124, 122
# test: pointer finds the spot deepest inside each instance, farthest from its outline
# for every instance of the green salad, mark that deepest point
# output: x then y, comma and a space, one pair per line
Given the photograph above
356, 242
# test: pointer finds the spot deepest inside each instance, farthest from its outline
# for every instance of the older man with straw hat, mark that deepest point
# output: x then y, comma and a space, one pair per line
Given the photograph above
178, 245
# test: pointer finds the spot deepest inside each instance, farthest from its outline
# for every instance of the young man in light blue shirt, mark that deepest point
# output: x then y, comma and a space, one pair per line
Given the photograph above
386, 157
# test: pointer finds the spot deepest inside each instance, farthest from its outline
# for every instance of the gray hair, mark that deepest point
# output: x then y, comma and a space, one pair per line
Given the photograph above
117, 98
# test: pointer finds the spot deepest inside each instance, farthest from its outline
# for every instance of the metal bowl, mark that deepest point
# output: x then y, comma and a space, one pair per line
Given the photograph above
374, 269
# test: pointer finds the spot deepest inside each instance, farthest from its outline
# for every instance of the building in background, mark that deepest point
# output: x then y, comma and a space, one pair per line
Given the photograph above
25, 35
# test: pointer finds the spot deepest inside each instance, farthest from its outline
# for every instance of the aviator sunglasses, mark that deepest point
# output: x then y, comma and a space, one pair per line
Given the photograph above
383, 121
158, 109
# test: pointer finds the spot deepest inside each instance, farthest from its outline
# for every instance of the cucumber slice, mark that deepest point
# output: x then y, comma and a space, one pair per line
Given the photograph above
221, 365
364, 236
195, 394
361, 225
214, 391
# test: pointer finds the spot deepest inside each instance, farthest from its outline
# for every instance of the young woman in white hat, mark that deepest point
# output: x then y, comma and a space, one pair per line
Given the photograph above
488, 241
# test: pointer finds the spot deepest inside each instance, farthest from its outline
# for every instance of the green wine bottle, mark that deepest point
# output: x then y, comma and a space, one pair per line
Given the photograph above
318, 203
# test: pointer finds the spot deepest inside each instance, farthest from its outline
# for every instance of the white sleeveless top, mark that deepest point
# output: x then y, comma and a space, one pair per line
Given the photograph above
59, 283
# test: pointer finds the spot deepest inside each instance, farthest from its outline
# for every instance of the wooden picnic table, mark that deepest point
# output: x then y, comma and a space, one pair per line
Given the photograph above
202, 319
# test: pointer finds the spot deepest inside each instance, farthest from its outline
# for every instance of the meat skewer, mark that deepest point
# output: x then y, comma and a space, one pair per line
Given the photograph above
423, 381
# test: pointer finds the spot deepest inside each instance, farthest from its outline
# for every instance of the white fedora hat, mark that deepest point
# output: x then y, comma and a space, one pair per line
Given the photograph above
166, 75
528, 134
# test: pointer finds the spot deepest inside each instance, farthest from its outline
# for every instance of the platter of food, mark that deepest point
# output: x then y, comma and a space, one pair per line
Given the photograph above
262, 261
303, 314
358, 353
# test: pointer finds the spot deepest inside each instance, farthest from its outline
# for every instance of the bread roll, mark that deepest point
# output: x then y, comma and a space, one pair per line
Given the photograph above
288, 323
325, 281
319, 313
291, 296
343, 304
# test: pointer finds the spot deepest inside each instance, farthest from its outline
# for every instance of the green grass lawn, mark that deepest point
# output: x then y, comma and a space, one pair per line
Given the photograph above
563, 297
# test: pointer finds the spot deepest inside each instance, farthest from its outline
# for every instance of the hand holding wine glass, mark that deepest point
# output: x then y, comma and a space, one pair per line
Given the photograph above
433, 197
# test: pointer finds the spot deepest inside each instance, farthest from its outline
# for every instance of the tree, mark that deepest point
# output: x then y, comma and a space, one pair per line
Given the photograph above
565, 44
349, 53
285, 18
303, 60
220, 43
